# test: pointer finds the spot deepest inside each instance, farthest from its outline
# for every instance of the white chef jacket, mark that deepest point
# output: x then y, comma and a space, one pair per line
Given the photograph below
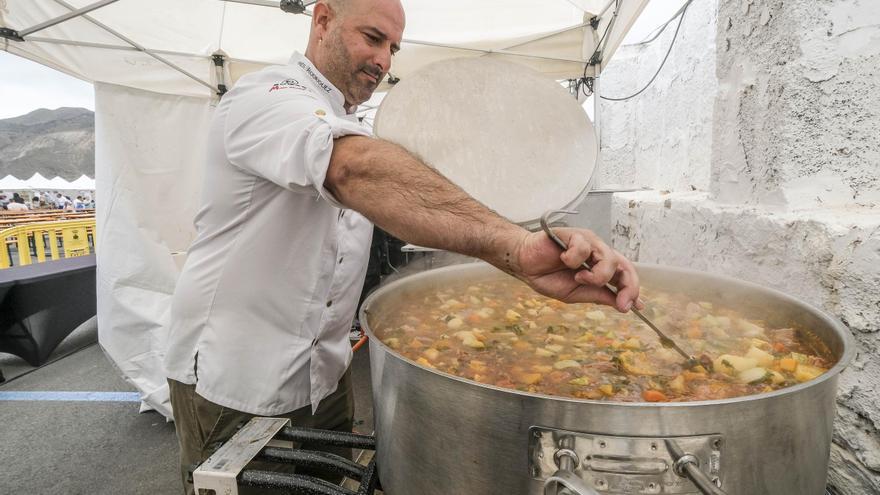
262, 310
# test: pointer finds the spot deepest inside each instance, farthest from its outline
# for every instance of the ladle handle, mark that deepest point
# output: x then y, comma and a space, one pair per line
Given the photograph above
688, 466
564, 482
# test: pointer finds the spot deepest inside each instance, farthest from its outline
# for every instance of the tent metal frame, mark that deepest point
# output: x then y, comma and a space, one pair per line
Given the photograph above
158, 54
70, 15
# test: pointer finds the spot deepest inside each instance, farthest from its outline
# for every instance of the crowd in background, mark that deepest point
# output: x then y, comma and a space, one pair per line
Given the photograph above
36, 200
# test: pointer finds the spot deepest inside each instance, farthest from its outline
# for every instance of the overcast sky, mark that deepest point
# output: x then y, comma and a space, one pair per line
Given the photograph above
26, 85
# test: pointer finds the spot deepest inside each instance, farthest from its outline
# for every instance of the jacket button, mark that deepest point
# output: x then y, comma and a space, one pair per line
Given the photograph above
329, 303
340, 261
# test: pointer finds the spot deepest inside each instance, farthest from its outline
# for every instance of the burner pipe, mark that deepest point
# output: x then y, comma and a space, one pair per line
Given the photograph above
314, 459
370, 481
335, 438
304, 485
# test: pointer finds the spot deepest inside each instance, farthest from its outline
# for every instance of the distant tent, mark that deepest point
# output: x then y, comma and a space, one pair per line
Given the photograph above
84, 183
37, 181
58, 183
12, 183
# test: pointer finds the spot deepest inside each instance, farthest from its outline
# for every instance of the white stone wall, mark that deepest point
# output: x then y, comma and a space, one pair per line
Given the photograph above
796, 117
769, 174
663, 137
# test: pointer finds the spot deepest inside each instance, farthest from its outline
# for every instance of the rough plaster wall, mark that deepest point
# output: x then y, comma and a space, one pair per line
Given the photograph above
798, 103
663, 137
793, 198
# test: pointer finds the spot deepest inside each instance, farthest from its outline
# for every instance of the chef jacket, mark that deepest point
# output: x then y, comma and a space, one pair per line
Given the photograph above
261, 313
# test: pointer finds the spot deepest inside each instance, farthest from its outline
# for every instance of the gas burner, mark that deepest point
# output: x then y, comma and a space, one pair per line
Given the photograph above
272, 439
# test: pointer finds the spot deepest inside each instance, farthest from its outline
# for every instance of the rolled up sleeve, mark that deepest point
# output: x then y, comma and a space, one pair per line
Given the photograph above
287, 140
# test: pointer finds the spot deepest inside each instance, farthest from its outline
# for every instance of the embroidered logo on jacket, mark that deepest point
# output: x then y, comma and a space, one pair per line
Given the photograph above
320, 82
288, 84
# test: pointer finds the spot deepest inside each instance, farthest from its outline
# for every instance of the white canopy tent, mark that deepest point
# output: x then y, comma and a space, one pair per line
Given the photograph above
83, 183
59, 184
158, 68
169, 46
12, 183
37, 181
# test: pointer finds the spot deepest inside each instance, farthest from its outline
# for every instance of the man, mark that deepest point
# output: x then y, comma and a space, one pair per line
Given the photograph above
262, 308
61, 201
17, 204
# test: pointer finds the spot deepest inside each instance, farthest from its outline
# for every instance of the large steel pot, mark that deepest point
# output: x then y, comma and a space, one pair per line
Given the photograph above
445, 435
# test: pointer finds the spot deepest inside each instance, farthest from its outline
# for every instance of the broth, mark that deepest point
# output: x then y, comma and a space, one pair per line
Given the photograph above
498, 331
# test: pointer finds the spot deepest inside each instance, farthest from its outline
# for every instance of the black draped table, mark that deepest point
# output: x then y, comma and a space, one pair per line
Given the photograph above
40, 304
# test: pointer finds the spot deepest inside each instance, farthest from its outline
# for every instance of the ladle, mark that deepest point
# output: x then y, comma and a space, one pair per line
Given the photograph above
665, 341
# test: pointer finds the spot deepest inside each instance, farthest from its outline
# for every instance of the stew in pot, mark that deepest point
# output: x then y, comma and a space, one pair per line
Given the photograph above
499, 332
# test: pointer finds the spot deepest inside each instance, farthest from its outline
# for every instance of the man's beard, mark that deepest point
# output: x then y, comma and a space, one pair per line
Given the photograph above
341, 75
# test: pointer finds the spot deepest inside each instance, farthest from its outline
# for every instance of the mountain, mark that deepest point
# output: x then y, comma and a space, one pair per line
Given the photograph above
51, 142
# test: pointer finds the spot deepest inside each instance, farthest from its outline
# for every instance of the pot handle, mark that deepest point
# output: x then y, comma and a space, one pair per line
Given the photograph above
564, 482
688, 466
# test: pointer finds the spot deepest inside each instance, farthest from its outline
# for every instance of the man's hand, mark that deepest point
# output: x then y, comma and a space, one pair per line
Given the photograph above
561, 275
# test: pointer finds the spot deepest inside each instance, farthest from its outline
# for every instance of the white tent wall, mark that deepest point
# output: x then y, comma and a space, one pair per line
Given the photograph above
148, 177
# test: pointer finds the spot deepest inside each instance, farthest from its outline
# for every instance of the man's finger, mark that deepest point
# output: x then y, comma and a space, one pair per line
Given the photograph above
593, 294
605, 268
627, 283
579, 251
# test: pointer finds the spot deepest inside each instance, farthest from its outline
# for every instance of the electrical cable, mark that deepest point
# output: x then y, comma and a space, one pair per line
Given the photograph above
656, 32
665, 57
584, 83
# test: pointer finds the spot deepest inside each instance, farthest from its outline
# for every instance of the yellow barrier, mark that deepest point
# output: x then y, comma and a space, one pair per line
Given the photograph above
73, 235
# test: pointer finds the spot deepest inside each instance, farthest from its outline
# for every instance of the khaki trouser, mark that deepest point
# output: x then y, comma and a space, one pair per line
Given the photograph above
202, 426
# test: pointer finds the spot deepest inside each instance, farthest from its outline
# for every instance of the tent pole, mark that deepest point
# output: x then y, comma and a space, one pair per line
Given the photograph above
261, 3
139, 47
70, 15
485, 51
605, 8
550, 35
104, 46
597, 102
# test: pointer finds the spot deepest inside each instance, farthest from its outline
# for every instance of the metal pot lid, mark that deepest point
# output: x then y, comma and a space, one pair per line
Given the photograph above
511, 137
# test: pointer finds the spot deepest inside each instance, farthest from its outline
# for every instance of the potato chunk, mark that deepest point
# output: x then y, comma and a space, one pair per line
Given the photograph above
805, 372
763, 358
730, 364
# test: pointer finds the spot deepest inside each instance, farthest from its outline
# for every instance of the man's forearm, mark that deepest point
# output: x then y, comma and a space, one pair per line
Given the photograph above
410, 200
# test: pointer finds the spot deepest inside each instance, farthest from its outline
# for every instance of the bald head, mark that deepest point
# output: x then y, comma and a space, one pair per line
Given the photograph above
352, 41
338, 6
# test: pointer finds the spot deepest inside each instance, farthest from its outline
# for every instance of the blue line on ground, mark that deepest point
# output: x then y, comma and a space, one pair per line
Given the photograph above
72, 396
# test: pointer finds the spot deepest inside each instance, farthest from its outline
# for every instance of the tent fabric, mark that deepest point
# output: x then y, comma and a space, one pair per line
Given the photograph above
37, 181
12, 183
110, 44
148, 188
59, 184
83, 183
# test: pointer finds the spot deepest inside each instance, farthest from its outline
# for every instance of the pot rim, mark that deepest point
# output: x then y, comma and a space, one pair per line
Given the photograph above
839, 328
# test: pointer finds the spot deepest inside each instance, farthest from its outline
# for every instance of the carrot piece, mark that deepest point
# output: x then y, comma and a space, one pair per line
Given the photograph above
788, 364
778, 347
694, 331
654, 396
473, 318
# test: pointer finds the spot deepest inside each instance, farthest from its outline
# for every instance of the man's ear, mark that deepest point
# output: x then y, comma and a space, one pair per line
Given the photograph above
321, 16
